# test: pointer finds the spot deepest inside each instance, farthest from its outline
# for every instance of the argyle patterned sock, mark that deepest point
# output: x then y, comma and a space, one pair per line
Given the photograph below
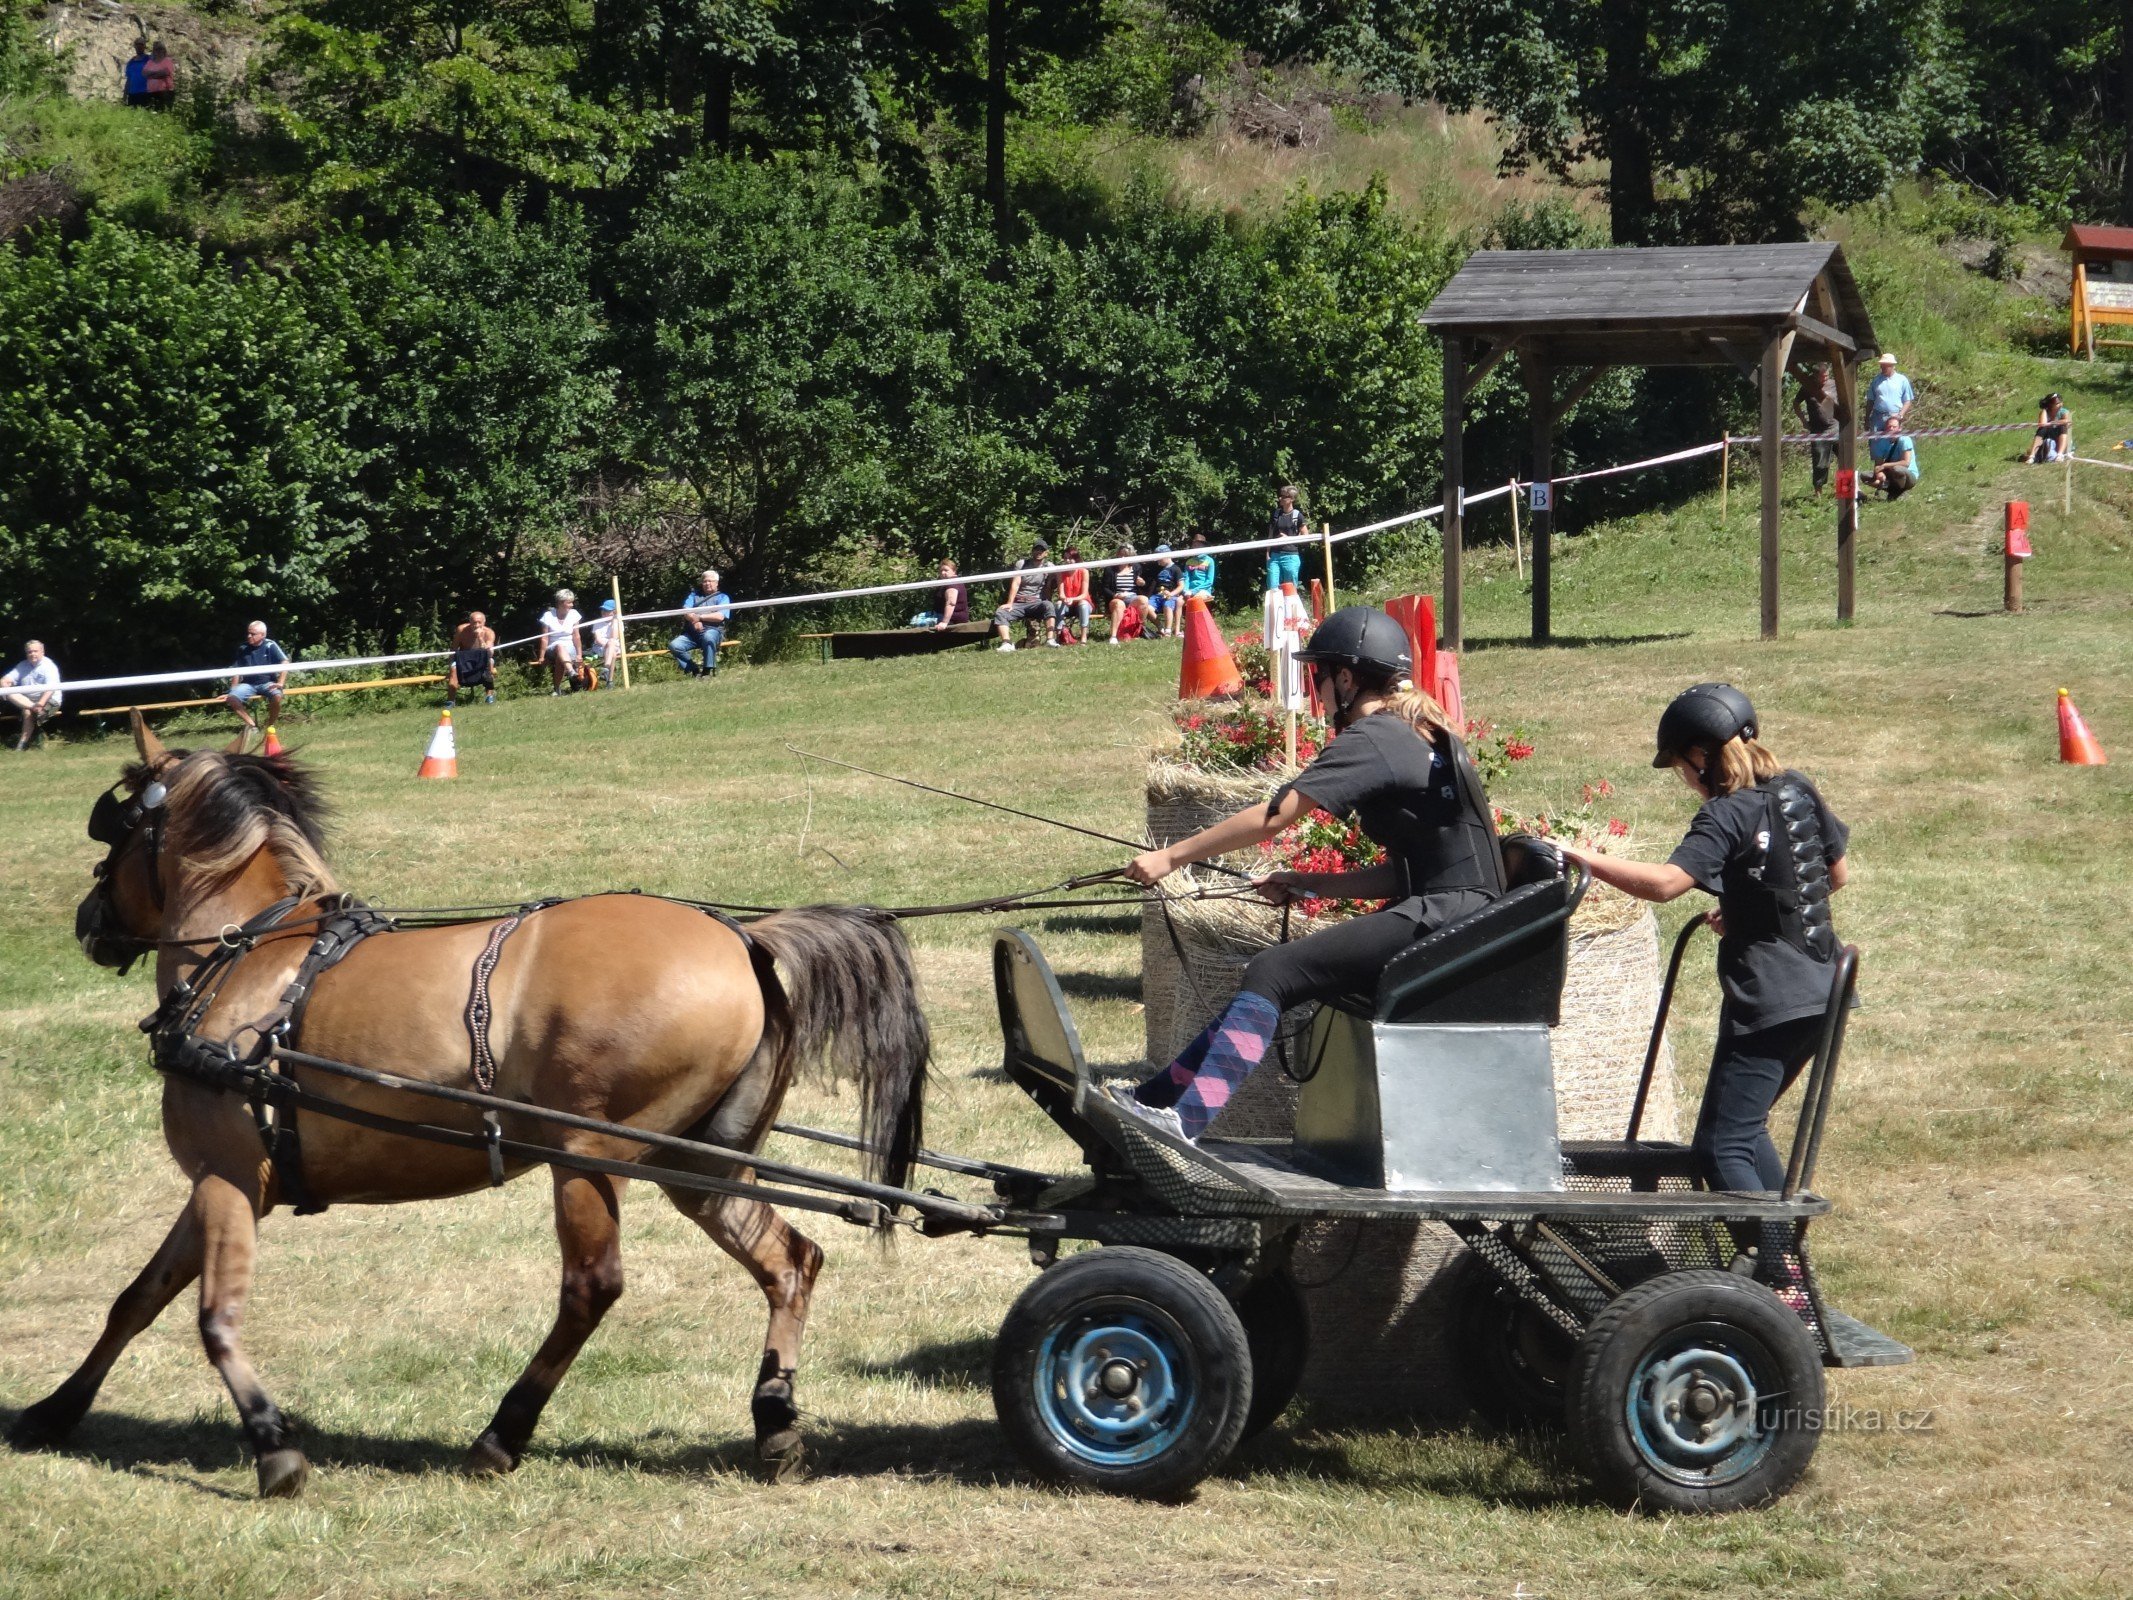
1214, 1066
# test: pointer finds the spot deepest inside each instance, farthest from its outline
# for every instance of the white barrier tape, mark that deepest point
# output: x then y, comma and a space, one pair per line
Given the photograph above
1867, 438
2091, 461
144, 680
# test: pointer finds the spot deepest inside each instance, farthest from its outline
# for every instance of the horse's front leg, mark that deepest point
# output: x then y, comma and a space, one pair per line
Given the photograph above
785, 1262
228, 1218
588, 1227
174, 1265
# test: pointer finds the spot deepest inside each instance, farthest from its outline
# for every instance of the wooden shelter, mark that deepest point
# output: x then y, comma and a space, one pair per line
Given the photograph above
2103, 283
1572, 314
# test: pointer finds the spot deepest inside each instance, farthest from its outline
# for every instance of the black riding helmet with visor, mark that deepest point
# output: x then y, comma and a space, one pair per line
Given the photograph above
1368, 643
1704, 716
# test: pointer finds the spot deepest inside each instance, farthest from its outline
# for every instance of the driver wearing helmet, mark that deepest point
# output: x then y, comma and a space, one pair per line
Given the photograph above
1771, 850
1395, 765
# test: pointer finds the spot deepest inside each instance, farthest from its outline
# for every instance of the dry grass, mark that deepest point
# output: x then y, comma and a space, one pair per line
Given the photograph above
1978, 1155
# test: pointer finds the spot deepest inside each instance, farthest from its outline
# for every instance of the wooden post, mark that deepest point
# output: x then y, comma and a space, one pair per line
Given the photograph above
1847, 375
2066, 503
1540, 411
622, 642
1518, 551
2013, 599
1454, 484
1288, 732
1325, 534
1725, 472
1775, 349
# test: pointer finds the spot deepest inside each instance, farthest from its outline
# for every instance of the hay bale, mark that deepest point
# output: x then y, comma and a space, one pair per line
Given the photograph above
1181, 800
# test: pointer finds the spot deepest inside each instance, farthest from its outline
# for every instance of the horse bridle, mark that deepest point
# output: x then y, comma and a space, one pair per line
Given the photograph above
114, 821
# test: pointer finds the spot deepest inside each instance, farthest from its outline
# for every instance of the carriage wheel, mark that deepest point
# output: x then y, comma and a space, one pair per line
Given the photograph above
1696, 1391
1124, 1370
1276, 1327
1514, 1360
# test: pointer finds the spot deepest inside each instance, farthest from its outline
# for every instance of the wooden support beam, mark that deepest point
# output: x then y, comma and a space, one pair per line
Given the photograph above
1541, 408
1847, 375
1486, 364
1454, 539
1744, 364
1817, 329
1775, 351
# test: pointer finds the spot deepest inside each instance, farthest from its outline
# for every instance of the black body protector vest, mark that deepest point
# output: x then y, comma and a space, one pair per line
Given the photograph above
1444, 836
1789, 891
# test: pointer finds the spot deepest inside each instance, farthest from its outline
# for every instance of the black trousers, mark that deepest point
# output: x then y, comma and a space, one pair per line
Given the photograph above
1347, 957
1732, 1145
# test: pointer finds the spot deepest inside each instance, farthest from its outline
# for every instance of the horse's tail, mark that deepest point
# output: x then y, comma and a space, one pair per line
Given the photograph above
852, 1004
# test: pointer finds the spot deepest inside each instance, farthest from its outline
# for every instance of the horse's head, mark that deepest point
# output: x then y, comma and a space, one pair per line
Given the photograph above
178, 823
119, 920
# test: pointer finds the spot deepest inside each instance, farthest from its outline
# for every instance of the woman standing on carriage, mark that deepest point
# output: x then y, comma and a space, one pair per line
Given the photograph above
1766, 844
1396, 765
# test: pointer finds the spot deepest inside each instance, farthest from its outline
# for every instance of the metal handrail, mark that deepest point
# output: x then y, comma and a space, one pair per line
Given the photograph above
1666, 1002
1822, 1077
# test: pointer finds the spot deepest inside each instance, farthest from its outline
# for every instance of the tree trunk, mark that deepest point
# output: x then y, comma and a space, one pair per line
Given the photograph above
718, 106
996, 51
2125, 82
1630, 200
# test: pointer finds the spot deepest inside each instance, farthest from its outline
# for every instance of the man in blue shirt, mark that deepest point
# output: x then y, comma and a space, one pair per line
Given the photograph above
703, 626
258, 651
1889, 394
1167, 592
135, 76
1895, 460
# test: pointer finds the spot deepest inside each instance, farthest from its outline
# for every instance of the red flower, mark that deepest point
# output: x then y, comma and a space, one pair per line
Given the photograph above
1617, 828
1518, 749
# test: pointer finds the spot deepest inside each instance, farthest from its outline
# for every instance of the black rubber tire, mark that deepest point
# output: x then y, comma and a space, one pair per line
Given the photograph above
1715, 1323
1207, 1358
1278, 1329
1514, 1361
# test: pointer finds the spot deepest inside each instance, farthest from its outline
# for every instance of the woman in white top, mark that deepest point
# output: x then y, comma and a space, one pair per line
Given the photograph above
559, 642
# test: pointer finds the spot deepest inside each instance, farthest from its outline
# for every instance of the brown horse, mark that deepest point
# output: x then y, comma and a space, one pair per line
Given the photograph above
618, 1007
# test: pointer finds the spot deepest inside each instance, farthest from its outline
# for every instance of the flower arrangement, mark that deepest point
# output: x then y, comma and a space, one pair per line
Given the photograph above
1582, 824
1255, 662
1322, 842
1247, 736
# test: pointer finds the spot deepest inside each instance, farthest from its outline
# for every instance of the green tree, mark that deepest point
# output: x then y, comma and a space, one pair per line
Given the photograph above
173, 458
1718, 121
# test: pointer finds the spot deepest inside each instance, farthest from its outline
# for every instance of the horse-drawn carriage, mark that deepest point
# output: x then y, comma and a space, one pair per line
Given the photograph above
1606, 1287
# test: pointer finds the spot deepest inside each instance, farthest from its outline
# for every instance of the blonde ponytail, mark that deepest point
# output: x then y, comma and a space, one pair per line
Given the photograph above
1418, 710
1740, 764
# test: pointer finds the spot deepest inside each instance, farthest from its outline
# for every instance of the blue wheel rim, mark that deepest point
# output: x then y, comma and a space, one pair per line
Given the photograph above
1705, 1404
1116, 1383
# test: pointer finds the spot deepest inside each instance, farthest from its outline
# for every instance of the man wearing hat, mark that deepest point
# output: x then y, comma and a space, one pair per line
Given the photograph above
1029, 597
607, 642
1888, 395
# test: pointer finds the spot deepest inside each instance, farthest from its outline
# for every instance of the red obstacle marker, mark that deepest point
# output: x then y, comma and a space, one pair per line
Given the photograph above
1209, 671
2077, 746
442, 758
273, 745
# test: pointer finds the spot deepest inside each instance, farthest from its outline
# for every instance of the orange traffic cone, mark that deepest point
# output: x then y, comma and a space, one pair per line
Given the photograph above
1210, 671
2077, 746
273, 745
443, 758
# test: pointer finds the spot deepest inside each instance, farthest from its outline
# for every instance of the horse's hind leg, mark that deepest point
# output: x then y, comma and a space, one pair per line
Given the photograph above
785, 1262
174, 1265
229, 1228
587, 1210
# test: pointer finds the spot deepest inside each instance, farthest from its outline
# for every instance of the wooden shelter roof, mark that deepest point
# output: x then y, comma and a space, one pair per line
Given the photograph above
2096, 239
1680, 306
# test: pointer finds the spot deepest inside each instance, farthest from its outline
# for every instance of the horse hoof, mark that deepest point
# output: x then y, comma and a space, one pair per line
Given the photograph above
44, 1426
282, 1474
488, 1459
782, 1456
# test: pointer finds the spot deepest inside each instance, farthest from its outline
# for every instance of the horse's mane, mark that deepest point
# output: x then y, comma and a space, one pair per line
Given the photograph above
226, 808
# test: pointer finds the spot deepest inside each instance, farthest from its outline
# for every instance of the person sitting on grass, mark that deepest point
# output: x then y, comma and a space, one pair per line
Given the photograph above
1070, 603
1895, 457
704, 610
1028, 597
1768, 846
473, 660
2055, 432
257, 651
1124, 604
1166, 596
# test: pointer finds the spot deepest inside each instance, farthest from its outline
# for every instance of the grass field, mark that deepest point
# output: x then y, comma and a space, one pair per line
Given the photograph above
1978, 1155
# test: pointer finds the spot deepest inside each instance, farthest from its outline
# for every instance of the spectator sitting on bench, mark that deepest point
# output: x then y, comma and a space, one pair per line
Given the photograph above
954, 601
1126, 606
703, 626
473, 660
1071, 602
1028, 597
257, 651
33, 690
1167, 593
1895, 460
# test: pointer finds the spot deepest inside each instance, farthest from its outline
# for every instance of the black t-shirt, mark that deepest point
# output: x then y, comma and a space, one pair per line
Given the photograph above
1403, 790
1766, 980
1287, 524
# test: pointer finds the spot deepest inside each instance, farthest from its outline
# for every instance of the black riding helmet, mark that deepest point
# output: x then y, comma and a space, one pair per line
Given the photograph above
1708, 715
1362, 639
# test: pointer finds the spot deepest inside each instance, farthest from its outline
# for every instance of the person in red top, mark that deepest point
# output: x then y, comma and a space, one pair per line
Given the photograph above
1072, 600
159, 76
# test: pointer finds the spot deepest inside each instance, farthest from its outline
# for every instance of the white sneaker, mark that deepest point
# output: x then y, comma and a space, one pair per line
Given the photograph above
1114, 638
1054, 643
1005, 646
1163, 1117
